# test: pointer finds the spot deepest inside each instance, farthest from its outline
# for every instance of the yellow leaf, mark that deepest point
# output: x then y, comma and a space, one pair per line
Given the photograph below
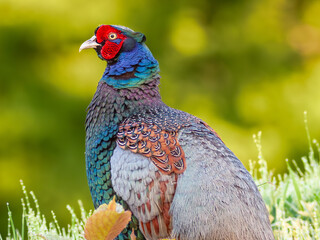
106, 223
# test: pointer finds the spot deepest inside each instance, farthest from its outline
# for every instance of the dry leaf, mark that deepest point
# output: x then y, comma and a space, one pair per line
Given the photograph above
107, 222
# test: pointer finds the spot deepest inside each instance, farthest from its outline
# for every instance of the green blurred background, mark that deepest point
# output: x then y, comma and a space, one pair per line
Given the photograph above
242, 66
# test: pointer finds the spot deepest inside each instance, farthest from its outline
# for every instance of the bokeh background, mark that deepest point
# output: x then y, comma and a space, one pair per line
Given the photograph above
242, 66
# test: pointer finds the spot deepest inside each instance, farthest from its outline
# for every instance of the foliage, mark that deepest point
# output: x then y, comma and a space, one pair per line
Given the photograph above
293, 201
35, 226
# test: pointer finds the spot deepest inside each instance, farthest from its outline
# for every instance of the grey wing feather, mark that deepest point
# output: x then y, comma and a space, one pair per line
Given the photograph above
216, 197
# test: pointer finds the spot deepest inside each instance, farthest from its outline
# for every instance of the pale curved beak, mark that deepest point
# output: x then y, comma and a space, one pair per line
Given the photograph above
91, 43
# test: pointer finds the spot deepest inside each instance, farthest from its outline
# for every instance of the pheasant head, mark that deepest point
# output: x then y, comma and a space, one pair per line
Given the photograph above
129, 61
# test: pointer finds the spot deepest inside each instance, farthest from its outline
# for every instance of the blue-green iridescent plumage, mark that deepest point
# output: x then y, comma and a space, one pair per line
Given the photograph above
117, 98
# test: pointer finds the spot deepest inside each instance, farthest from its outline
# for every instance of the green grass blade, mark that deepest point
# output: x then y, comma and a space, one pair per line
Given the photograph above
293, 177
11, 223
23, 218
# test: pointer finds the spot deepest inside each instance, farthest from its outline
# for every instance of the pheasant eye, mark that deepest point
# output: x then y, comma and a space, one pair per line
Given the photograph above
112, 36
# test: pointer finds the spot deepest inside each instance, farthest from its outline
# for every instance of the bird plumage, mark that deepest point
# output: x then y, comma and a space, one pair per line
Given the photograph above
168, 167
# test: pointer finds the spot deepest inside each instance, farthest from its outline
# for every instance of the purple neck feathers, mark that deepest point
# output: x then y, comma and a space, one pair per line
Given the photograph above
112, 105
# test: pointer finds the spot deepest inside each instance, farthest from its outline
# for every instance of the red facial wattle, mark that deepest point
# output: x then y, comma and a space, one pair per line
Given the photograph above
111, 47
110, 50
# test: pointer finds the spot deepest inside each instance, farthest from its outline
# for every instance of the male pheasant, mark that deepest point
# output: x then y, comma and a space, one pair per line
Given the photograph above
168, 167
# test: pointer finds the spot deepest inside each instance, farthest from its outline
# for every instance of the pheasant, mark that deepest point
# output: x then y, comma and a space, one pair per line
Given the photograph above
168, 167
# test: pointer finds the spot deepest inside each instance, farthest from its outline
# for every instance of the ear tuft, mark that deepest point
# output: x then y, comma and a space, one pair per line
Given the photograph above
140, 37
144, 38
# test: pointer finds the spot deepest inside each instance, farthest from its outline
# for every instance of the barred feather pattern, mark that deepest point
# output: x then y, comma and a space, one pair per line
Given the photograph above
161, 225
159, 145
